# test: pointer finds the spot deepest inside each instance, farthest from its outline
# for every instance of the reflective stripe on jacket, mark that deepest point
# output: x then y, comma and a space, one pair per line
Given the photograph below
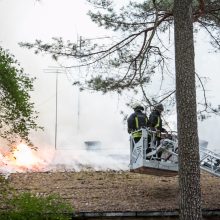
155, 121
136, 134
136, 121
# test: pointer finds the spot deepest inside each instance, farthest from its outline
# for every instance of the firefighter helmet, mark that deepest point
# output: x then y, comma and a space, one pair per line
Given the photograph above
159, 107
138, 106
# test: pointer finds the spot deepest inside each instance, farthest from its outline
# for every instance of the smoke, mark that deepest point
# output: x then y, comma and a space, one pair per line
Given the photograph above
83, 116
94, 160
70, 119
49, 159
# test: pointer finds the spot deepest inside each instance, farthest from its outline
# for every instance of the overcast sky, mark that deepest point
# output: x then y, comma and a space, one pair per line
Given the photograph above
99, 118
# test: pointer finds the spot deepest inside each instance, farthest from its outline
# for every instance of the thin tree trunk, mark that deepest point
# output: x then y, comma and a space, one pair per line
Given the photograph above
189, 166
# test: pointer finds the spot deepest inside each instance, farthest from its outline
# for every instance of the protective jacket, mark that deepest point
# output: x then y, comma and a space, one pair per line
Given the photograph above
136, 121
155, 121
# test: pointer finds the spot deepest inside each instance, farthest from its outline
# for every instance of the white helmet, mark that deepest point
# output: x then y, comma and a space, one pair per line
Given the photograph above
137, 106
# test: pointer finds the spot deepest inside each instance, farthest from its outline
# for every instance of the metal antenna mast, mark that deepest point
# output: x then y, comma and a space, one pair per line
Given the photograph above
55, 141
57, 71
79, 43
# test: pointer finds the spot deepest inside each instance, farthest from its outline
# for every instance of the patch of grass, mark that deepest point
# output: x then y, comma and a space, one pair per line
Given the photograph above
27, 206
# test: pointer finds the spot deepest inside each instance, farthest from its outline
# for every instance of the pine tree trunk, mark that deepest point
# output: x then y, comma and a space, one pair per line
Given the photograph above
189, 166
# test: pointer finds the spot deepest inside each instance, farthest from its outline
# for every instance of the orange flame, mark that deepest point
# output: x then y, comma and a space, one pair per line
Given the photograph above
23, 158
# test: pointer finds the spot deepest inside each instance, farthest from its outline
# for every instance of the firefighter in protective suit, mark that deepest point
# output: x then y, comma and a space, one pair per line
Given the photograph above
136, 121
155, 123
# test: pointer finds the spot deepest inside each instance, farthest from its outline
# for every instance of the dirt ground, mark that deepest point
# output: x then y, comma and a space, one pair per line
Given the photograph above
115, 191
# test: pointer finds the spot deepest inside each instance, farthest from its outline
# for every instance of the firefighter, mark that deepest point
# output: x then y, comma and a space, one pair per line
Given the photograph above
155, 123
136, 121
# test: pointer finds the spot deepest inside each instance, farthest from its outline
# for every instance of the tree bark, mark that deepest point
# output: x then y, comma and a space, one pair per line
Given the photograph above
189, 165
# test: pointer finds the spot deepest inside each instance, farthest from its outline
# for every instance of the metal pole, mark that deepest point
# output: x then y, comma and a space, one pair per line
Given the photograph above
78, 112
57, 70
56, 111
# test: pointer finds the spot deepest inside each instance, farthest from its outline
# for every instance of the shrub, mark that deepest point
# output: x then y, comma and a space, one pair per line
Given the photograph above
27, 206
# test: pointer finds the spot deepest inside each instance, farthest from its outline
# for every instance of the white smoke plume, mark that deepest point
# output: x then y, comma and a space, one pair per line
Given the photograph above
81, 117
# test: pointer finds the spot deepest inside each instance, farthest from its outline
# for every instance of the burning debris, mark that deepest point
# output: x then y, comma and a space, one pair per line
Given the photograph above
20, 159
24, 159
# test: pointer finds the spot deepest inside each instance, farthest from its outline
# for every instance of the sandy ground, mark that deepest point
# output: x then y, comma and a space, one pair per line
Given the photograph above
115, 191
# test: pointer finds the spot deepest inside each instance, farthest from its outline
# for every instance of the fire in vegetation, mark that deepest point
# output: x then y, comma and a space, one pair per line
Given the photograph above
20, 159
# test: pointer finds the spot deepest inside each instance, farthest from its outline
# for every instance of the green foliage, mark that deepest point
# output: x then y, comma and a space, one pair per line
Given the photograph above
5, 190
107, 84
26, 206
17, 115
